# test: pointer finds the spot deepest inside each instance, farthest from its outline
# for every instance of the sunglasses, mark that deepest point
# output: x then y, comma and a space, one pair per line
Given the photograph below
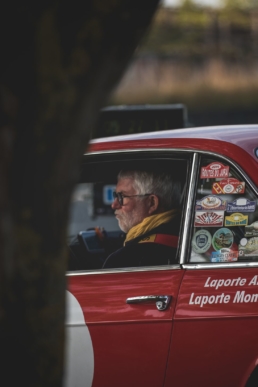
120, 197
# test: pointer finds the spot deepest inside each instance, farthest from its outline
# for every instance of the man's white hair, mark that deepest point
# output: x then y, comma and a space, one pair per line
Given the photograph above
160, 184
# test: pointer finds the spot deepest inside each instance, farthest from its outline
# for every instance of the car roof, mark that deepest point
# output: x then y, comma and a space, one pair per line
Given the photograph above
241, 135
237, 142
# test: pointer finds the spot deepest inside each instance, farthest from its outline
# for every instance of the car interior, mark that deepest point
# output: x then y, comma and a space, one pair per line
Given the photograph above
93, 229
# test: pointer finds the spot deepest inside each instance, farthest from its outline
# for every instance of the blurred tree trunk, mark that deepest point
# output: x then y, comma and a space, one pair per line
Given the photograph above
59, 62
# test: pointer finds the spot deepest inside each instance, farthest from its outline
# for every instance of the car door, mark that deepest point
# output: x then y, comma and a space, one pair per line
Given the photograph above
119, 321
130, 341
215, 325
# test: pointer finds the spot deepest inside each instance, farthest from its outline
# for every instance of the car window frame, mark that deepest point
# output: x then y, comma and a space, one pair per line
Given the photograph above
159, 153
192, 194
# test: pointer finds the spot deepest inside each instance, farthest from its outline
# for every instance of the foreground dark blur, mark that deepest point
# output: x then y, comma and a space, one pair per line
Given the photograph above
59, 63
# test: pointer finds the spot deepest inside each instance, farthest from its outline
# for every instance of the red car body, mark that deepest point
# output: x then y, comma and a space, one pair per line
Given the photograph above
207, 335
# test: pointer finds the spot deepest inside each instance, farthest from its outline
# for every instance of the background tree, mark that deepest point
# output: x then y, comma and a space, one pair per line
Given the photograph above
59, 62
239, 4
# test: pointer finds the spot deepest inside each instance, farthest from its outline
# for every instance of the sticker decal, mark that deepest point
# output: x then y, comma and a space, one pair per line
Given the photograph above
251, 230
224, 255
228, 186
214, 170
201, 241
209, 218
211, 202
241, 204
248, 247
218, 286
236, 219
243, 242
223, 238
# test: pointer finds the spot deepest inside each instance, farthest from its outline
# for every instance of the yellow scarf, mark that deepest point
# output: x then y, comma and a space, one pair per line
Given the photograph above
149, 223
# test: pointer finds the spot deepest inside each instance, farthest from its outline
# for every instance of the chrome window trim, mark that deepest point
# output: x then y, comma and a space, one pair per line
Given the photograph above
233, 265
189, 207
124, 270
138, 150
190, 266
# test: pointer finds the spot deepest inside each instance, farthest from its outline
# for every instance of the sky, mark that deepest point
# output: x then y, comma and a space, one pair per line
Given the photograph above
212, 3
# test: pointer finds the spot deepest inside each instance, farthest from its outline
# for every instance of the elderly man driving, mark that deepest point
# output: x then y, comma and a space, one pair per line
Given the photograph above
146, 206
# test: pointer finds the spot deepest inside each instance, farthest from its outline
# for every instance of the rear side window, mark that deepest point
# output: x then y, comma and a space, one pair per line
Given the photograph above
225, 216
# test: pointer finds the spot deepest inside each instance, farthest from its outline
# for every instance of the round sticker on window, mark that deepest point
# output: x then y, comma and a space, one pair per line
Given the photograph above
243, 242
228, 188
201, 241
223, 238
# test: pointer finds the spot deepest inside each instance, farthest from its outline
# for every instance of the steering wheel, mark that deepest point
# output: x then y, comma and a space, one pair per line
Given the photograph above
92, 247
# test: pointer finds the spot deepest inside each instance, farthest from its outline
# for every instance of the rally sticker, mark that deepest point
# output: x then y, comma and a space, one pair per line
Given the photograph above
241, 204
201, 241
248, 247
209, 218
224, 255
211, 202
222, 238
236, 219
214, 170
251, 230
228, 186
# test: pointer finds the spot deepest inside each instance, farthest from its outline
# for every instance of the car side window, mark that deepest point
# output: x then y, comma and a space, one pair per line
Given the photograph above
225, 216
94, 233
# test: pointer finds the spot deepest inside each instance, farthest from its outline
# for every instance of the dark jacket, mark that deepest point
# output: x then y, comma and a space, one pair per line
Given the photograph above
156, 247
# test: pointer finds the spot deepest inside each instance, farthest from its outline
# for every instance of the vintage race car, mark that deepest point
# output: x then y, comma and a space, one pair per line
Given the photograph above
190, 323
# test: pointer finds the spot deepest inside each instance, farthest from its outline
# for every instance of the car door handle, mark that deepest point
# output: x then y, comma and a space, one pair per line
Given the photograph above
162, 302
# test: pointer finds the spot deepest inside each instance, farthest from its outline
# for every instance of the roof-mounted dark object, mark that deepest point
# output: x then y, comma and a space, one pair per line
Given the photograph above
128, 119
